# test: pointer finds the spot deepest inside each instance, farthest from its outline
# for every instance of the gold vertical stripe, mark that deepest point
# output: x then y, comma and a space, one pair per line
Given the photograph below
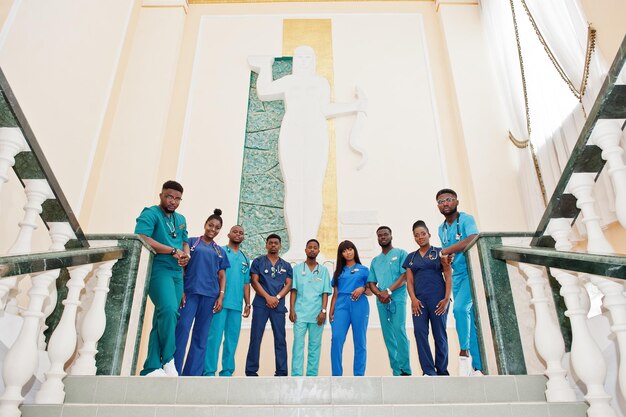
317, 33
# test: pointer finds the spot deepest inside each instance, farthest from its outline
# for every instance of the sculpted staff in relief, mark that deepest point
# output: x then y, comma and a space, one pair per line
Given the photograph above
303, 140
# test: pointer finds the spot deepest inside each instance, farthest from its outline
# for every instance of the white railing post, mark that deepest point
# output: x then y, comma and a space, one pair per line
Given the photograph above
615, 302
22, 360
37, 191
607, 134
12, 142
94, 323
548, 339
581, 186
560, 229
62, 344
586, 358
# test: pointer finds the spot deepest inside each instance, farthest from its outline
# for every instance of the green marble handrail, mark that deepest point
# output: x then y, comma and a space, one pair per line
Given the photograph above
45, 261
495, 234
610, 104
604, 265
122, 236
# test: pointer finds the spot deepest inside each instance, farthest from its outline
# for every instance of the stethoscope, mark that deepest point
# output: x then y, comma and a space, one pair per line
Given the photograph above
431, 254
276, 269
215, 246
315, 271
457, 237
245, 264
171, 226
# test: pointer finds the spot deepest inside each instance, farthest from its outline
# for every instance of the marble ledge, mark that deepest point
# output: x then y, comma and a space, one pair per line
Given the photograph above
122, 236
604, 265
46, 261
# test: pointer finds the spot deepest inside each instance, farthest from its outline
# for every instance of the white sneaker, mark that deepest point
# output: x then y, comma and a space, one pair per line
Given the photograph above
170, 369
477, 372
465, 366
157, 373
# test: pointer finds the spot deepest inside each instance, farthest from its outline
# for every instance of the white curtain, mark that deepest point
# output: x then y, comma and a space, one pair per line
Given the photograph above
556, 117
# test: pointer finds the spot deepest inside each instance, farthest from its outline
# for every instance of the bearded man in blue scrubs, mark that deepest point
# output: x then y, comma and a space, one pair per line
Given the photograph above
166, 232
309, 298
227, 323
270, 276
456, 232
388, 283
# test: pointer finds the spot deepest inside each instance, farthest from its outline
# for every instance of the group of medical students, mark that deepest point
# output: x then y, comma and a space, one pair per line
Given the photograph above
197, 284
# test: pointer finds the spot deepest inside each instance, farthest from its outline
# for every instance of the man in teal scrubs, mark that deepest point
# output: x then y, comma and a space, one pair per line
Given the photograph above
309, 297
166, 231
227, 323
388, 283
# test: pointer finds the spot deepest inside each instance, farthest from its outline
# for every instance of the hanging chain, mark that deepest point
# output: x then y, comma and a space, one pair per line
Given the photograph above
591, 43
526, 143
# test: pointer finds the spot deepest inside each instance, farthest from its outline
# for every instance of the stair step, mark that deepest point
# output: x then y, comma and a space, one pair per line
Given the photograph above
534, 409
304, 390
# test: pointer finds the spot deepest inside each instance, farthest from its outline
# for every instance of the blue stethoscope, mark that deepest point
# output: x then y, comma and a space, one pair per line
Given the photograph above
432, 254
315, 271
458, 235
215, 246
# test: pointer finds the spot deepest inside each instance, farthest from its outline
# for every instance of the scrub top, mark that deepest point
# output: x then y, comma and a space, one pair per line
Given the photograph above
171, 231
386, 268
310, 286
236, 277
427, 274
450, 234
351, 278
271, 278
201, 271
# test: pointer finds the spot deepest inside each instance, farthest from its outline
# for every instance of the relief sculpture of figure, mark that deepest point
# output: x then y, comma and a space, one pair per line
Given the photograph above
303, 140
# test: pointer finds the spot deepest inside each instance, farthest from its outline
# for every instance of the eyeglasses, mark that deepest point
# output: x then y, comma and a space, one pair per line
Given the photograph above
172, 198
446, 200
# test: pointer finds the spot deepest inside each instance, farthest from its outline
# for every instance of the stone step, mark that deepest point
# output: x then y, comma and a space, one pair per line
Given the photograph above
534, 409
304, 390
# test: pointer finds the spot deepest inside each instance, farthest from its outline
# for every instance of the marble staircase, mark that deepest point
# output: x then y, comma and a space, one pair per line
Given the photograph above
489, 396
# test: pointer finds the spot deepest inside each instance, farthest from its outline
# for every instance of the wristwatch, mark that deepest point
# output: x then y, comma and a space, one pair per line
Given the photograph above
278, 296
173, 252
388, 291
324, 310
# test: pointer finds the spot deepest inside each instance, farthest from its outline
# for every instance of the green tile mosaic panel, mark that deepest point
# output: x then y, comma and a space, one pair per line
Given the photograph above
261, 198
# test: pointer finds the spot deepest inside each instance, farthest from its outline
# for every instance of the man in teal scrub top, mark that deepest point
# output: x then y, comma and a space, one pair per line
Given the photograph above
227, 323
166, 231
309, 297
388, 283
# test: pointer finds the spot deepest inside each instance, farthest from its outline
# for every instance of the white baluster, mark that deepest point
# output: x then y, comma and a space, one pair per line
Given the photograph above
93, 324
607, 134
559, 229
37, 191
12, 142
615, 303
63, 341
22, 359
6, 285
548, 339
581, 186
586, 357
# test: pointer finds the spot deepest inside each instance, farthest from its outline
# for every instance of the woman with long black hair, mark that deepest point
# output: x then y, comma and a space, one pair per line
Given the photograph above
349, 307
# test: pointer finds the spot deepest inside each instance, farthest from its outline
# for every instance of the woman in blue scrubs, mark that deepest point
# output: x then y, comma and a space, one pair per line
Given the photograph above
429, 283
204, 281
349, 307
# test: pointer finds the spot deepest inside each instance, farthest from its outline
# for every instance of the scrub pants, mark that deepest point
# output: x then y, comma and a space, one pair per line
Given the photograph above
463, 309
260, 315
393, 324
420, 328
355, 313
198, 311
165, 291
313, 354
226, 324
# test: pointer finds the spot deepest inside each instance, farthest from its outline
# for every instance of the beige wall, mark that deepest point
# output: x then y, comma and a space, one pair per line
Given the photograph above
607, 17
